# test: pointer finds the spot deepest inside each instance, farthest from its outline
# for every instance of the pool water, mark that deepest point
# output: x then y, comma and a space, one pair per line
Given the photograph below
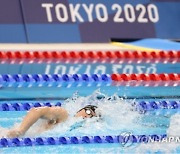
118, 117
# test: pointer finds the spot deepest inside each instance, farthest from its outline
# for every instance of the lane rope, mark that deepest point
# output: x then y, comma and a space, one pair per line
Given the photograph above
89, 56
140, 106
42, 141
77, 80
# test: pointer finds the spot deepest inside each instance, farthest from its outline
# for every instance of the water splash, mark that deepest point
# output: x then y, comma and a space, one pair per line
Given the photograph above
118, 116
165, 147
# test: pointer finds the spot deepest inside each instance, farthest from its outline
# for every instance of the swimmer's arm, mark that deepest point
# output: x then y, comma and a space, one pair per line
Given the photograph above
36, 113
59, 115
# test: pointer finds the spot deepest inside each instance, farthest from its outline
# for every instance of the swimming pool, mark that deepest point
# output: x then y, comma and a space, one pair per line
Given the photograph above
130, 104
134, 116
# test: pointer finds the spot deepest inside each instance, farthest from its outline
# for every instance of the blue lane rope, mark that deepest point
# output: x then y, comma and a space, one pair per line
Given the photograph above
40, 141
25, 106
55, 80
141, 106
163, 105
65, 80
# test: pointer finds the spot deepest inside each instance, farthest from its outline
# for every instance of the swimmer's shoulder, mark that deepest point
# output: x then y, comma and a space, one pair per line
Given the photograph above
49, 109
60, 112
54, 112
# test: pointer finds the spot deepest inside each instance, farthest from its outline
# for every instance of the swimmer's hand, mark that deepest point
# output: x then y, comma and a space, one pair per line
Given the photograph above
14, 133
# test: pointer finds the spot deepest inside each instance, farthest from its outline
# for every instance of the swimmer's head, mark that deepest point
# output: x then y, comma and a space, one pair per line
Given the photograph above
88, 111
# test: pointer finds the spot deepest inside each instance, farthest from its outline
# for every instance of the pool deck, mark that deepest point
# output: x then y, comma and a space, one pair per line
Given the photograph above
80, 46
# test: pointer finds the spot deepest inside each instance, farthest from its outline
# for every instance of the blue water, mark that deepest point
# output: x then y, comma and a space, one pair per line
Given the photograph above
63, 92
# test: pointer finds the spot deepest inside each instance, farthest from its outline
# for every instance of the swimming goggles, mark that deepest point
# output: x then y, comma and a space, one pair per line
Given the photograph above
90, 110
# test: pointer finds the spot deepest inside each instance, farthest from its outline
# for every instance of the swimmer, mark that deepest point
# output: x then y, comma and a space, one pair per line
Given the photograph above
53, 115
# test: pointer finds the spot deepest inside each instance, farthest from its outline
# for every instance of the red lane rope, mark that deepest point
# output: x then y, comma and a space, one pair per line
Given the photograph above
146, 79
90, 56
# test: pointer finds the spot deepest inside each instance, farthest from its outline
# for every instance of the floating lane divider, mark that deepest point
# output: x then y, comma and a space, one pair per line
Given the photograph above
25, 106
42, 141
76, 80
162, 107
89, 56
146, 79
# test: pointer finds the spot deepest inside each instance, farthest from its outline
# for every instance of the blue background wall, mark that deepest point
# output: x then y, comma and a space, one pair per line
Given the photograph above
26, 20
12, 28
